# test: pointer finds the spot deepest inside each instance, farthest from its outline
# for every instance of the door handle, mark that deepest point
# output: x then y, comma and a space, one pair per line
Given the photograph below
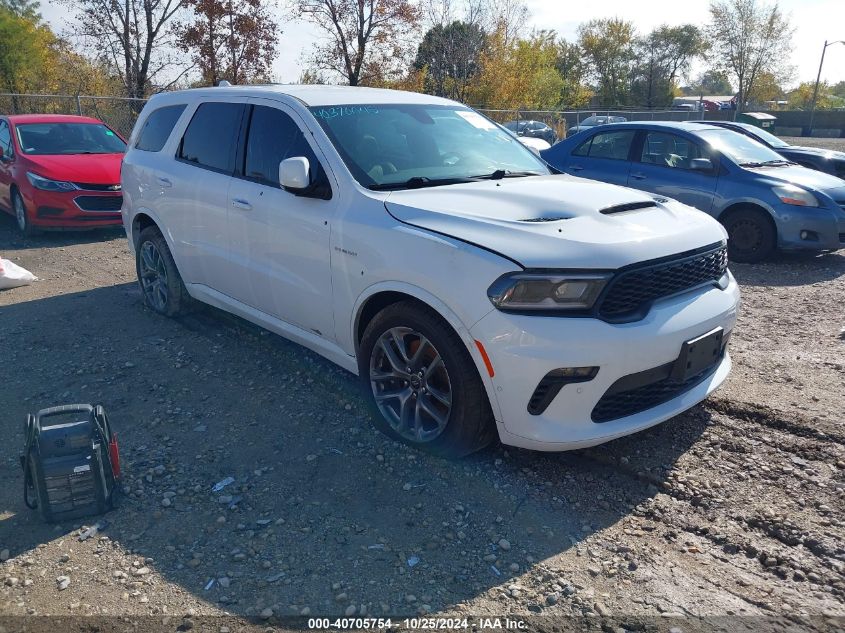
164, 182
240, 203
575, 167
638, 176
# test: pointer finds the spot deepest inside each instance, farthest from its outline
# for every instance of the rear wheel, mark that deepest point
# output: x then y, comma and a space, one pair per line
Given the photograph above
160, 281
21, 216
751, 236
423, 383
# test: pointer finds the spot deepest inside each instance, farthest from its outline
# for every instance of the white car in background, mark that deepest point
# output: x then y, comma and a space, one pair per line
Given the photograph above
413, 242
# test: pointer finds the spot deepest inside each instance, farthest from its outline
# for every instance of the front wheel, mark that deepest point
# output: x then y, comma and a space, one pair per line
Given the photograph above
24, 225
751, 236
423, 383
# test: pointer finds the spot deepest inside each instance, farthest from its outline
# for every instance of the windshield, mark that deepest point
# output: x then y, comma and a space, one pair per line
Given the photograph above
68, 138
742, 149
396, 146
768, 137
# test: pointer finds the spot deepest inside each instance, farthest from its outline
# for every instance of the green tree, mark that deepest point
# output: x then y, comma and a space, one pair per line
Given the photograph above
608, 48
749, 38
519, 74
711, 82
663, 57
572, 70
24, 53
27, 9
451, 56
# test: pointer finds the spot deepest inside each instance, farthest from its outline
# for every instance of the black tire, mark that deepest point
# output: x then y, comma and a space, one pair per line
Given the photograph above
21, 218
751, 236
469, 424
169, 296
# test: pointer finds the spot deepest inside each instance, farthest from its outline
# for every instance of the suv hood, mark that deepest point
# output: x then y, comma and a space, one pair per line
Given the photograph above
95, 169
557, 221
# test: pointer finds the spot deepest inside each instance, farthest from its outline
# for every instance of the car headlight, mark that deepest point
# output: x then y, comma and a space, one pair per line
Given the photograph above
790, 194
45, 184
547, 290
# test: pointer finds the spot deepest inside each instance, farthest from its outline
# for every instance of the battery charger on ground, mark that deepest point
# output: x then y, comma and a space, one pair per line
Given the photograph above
71, 462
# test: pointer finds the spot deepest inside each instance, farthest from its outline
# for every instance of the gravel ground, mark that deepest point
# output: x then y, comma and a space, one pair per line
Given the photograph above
825, 143
734, 510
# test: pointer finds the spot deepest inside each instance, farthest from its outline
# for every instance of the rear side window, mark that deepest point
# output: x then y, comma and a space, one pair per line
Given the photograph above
273, 137
211, 136
157, 128
613, 145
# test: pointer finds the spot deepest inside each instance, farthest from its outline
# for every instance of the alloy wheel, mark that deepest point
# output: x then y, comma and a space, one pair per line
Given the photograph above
153, 276
410, 384
20, 213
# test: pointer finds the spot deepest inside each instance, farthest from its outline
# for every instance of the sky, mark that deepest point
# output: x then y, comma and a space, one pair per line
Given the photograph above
814, 20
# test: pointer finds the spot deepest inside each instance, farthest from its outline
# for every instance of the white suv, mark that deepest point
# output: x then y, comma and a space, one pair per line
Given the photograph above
412, 241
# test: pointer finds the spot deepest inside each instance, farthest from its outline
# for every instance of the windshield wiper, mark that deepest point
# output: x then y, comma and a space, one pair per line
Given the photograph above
766, 163
418, 182
506, 173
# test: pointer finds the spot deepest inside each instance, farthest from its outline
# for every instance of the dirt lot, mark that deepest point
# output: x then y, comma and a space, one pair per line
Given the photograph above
735, 510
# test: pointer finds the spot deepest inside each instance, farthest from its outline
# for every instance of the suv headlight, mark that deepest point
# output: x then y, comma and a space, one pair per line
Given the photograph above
790, 194
39, 182
547, 290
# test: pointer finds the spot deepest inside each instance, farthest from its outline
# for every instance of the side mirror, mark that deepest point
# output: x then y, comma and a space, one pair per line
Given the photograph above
294, 174
701, 164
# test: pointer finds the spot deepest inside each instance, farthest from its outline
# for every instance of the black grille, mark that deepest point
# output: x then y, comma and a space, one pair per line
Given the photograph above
87, 186
99, 203
620, 402
631, 292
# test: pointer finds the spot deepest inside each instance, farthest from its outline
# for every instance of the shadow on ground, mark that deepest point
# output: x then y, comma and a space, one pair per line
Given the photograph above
319, 498
13, 240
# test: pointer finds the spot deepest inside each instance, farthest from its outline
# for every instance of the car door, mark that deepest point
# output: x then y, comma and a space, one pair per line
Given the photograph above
7, 148
664, 166
279, 241
194, 193
603, 155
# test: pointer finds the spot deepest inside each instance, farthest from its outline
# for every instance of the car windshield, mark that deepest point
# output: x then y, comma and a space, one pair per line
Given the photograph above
740, 148
765, 136
68, 138
389, 146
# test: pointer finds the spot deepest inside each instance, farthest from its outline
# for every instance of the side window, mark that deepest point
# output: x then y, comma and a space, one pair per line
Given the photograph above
157, 128
273, 137
5, 139
583, 149
613, 145
211, 136
669, 150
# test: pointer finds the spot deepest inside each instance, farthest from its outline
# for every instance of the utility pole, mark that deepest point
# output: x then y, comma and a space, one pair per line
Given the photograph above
818, 80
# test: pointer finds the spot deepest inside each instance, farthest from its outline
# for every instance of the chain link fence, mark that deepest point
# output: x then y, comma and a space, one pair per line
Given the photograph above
119, 113
562, 120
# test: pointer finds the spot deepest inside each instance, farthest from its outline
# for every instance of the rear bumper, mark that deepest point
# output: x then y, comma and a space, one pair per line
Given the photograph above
523, 349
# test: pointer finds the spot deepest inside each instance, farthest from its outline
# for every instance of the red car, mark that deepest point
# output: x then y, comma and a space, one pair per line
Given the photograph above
60, 171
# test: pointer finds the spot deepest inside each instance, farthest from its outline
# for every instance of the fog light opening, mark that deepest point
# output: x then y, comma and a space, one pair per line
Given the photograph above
809, 236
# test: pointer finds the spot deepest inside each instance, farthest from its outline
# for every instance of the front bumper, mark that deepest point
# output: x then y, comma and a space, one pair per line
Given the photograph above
523, 349
816, 228
72, 209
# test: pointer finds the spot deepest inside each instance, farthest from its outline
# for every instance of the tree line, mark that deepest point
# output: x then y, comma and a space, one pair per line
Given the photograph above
479, 52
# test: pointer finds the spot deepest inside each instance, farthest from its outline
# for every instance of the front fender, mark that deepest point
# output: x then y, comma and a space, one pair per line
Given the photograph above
445, 312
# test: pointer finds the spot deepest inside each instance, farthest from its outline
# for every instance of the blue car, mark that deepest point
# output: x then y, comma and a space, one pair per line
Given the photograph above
764, 201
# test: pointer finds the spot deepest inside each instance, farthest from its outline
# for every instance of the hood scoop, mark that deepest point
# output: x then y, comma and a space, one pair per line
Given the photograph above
628, 206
